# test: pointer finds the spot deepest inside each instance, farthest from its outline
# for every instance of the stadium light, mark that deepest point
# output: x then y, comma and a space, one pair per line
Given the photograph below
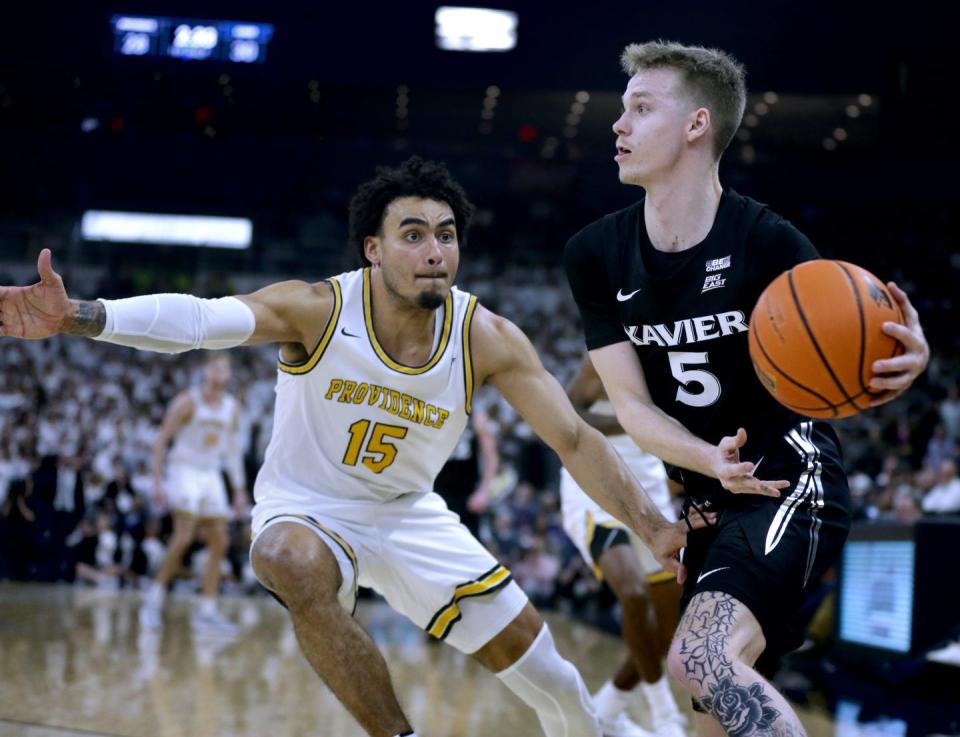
179, 230
475, 29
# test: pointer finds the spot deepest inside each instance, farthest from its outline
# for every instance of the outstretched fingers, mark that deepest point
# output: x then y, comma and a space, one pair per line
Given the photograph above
48, 276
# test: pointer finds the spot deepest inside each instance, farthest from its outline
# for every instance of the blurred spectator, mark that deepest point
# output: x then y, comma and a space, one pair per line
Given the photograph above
950, 411
536, 572
16, 532
944, 497
940, 448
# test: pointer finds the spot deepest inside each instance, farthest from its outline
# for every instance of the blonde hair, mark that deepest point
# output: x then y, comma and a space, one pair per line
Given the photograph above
712, 78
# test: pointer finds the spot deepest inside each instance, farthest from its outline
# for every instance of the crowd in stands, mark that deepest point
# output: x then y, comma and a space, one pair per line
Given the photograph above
78, 419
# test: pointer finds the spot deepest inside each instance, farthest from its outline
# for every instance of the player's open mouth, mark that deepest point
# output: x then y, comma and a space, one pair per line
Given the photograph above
622, 153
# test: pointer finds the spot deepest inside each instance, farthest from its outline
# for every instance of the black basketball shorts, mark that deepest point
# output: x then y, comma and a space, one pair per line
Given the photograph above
767, 552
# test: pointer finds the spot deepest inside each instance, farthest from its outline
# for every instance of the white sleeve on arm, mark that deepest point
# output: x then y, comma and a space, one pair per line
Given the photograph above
173, 323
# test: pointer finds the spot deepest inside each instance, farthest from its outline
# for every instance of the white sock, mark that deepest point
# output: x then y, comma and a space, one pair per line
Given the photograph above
659, 697
156, 594
208, 606
553, 688
408, 734
610, 701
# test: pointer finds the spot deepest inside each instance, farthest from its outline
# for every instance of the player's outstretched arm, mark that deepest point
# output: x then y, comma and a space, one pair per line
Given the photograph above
506, 358
663, 436
287, 312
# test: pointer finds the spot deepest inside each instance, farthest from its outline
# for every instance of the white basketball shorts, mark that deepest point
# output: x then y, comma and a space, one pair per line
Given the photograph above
582, 516
415, 553
197, 491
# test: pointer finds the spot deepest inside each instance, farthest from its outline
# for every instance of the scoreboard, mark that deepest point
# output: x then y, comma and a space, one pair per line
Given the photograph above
177, 38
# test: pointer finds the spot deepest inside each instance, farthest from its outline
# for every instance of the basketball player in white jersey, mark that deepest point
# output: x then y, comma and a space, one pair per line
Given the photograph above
648, 595
202, 422
377, 371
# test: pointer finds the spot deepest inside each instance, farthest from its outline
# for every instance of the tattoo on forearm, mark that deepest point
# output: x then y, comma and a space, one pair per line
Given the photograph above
88, 320
742, 710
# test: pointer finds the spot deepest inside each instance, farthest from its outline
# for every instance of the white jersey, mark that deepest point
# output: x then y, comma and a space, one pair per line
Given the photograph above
202, 442
353, 424
582, 516
646, 467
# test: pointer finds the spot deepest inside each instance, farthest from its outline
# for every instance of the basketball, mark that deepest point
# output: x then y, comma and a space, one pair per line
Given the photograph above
815, 333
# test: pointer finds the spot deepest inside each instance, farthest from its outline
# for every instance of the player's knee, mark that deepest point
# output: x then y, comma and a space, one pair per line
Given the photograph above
180, 541
293, 563
683, 656
633, 595
688, 655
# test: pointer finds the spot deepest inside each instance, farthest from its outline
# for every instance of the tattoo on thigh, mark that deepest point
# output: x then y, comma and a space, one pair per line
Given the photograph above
742, 710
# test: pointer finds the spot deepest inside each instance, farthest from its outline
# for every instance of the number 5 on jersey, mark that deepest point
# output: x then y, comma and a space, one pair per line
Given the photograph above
709, 384
378, 452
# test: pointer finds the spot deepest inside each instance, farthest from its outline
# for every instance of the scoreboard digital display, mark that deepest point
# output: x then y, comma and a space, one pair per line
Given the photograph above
177, 38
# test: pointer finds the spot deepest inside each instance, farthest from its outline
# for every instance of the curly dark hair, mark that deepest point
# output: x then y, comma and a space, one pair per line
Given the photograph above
415, 177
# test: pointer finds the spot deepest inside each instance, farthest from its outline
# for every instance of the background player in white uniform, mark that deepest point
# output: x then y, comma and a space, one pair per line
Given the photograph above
202, 422
377, 373
648, 596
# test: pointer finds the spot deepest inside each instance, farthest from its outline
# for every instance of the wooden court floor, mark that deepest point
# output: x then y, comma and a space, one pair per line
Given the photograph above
74, 662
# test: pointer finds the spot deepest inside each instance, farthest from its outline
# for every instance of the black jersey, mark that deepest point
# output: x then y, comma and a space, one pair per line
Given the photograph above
687, 315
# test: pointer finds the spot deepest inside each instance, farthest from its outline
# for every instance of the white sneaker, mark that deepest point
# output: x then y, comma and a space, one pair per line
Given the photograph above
662, 707
623, 726
214, 623
151, 617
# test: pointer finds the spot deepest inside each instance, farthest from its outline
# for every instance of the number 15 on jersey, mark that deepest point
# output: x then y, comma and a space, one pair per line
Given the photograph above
378, 452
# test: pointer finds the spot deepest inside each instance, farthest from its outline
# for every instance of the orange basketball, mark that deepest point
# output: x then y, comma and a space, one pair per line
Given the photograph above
815, 333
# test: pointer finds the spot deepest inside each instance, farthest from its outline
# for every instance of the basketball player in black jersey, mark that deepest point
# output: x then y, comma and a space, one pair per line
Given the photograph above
665, 289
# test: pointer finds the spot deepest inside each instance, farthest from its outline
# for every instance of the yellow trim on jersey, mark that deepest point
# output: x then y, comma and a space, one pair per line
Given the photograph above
443, 621
382, 354
591, 531
467, 357
317, 352
661, 577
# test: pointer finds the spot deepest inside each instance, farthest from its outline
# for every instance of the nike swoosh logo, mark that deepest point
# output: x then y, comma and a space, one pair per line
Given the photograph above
621, 297
349, 335
757, 465
704, 575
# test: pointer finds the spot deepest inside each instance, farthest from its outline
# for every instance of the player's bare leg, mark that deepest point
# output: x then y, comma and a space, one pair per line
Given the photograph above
217, 540
298, 567
207, 617
621, 568
717, 643
526, 660
184, 529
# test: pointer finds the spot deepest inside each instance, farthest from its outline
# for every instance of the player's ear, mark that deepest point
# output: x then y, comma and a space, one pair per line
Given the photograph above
371, 249
699, 125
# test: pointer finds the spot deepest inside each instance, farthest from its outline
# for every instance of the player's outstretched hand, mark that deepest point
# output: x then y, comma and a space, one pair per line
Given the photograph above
893, 376
37, 311
478, 501
668, 541
737, 477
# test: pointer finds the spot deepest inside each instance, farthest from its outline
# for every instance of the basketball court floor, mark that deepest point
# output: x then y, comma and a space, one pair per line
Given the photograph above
74, 662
